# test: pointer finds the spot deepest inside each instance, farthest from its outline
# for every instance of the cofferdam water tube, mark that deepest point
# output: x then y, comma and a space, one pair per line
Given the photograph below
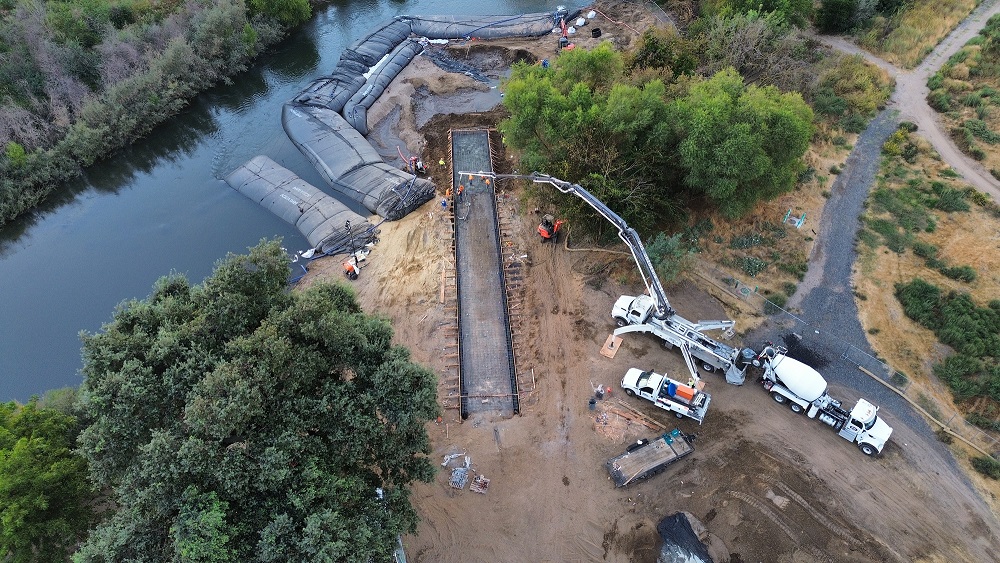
328, 122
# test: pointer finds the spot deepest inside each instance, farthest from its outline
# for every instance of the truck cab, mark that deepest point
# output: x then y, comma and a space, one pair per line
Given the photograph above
666, 393
629, 310
866, 429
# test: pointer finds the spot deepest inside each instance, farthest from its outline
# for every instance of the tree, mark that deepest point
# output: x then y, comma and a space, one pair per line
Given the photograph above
836, 16
669, 256
741, 144
580, 121
44, 494
288, 12
237, 421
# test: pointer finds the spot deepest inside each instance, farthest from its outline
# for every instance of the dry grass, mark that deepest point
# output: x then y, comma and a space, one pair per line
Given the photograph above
960, 91
908, 37
971, 238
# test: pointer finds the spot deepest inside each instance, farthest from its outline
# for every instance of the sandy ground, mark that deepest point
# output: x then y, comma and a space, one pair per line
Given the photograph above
768, 484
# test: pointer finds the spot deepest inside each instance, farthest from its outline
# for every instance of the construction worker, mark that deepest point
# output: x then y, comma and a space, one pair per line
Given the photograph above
447, 193
441, 162
350, 270
461, 189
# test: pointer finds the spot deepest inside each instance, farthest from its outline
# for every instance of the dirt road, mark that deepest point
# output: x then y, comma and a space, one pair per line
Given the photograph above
910, 96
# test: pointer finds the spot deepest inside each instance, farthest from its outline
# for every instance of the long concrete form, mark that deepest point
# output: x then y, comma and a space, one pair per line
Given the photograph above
488, 382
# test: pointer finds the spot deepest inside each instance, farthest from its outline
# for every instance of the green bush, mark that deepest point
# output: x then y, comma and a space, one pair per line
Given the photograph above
940, 100
936, 81
987, 466
981, 130
775, 303
961, 273
924, 249
797, 268
908, 126
853, 123
752, 265
950, 199
789, 288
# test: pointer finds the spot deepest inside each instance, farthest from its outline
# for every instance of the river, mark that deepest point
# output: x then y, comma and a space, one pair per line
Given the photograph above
160, 206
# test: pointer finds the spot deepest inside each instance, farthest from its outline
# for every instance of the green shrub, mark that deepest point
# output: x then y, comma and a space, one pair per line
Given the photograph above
853, 123
981, 130
898, 379
995, 173
977, 419
987, 466
935, 82
752, 265
747, 240
789, 288
940, 100
775, 303
869, 238
908, 126
961, 273
950, 199
978, 197
924, 249
797, 268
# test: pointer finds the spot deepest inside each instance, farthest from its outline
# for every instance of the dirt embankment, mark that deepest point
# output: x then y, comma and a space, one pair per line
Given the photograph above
770, 485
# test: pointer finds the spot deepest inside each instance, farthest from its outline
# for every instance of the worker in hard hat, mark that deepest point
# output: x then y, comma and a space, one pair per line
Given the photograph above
350, 270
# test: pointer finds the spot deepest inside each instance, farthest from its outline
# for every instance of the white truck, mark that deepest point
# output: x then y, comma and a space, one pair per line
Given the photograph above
636, 314
803, 389
669, 394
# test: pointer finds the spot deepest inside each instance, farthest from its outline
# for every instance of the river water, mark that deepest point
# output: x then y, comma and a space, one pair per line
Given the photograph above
161, 206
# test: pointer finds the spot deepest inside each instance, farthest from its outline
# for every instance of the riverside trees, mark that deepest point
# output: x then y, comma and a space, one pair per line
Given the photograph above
81, 78
645, 146
235, 421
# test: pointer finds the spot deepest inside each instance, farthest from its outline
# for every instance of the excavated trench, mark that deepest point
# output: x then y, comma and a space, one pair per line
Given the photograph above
487, 377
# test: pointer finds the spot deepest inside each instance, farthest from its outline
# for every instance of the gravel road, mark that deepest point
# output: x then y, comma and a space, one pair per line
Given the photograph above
827, 326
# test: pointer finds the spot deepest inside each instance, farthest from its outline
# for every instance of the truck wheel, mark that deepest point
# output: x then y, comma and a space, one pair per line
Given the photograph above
708, 367
796, 408
620, 321
630, 392
779, 398
678, 415
867, 449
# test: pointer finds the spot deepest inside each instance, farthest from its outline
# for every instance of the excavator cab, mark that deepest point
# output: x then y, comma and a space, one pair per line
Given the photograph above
548, 229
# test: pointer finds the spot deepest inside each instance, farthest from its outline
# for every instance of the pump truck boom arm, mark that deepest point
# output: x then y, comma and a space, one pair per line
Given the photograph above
662, 309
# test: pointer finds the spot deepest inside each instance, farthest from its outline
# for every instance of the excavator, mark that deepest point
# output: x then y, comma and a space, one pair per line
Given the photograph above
651, 312
548, 229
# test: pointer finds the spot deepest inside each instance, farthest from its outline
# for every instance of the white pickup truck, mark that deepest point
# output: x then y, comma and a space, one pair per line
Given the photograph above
668, 394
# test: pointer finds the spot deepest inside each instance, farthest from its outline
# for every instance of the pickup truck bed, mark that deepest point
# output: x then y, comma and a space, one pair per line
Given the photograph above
649, 458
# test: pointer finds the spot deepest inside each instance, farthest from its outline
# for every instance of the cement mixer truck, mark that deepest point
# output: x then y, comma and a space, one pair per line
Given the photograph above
804, 390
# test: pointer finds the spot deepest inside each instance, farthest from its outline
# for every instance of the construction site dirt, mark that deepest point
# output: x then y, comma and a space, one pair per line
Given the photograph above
768, 484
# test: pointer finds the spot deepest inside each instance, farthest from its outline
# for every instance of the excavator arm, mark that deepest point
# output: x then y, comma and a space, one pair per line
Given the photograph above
628, 235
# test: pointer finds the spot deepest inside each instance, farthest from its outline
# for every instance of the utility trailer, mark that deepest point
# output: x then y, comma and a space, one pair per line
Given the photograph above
646, 458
